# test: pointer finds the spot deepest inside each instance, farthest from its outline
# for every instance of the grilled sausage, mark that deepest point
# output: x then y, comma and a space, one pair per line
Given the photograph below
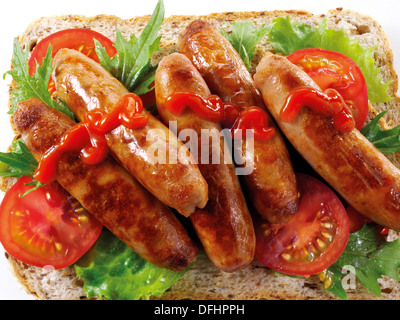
84, 85
224, 225
271, 186
360, 173
109, 192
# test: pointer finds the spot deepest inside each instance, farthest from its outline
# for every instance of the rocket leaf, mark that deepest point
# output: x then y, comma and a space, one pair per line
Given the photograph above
369, 256
132, 63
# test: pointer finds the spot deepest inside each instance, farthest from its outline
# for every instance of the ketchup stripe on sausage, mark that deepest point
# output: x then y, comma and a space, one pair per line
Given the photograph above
271, 187
348, 162
84, 85
108, 192
224, 225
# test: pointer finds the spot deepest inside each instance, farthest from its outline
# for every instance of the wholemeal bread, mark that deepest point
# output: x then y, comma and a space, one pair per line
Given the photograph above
203, 280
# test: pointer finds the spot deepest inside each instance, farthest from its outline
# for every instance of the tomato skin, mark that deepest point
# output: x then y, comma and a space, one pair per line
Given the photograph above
330, 69
45, 228
356, 219
312, 240
148, 98
77, 39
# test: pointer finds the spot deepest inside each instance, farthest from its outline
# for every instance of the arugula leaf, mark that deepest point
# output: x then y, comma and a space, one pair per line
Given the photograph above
132, 63
35, 86
336, 287
369, 257
112, 270
287, 37
244, 38
19, 162
386, 141
36, 185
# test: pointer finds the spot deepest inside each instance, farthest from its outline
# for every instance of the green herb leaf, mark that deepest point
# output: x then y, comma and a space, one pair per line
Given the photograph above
386, 141
244, 38
19, 162
132, 63
287, 37
36, 185
35, 86
112, 270
369, 257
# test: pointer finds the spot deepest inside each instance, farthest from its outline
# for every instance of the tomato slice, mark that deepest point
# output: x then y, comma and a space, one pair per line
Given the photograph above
312, 240
77, 39
150, 97
45, 228
356, 219
330, 69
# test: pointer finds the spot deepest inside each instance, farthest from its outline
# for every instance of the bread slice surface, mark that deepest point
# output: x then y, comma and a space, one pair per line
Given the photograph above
203, 280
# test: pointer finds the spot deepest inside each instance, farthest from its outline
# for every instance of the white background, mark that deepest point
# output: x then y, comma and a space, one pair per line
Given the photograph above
15, 18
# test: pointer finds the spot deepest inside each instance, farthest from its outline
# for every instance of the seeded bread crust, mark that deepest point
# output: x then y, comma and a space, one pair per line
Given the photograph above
203, 280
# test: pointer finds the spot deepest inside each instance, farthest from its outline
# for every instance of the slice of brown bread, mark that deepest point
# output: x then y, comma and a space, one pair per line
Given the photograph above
203, 280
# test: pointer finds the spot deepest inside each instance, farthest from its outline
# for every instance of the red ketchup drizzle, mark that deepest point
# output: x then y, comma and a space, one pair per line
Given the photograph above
329, 103
253, 118
126, 112
88, 137
213, 108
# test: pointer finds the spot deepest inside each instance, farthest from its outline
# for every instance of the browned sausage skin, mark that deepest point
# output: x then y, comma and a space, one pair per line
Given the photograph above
109, 192
361, 174
84, 85
224, 225
272, 186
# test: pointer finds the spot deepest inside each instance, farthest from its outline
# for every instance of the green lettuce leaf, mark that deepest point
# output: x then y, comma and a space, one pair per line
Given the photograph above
244, 38
132, 63
368, 256
35, 86
287, 37
112, 270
